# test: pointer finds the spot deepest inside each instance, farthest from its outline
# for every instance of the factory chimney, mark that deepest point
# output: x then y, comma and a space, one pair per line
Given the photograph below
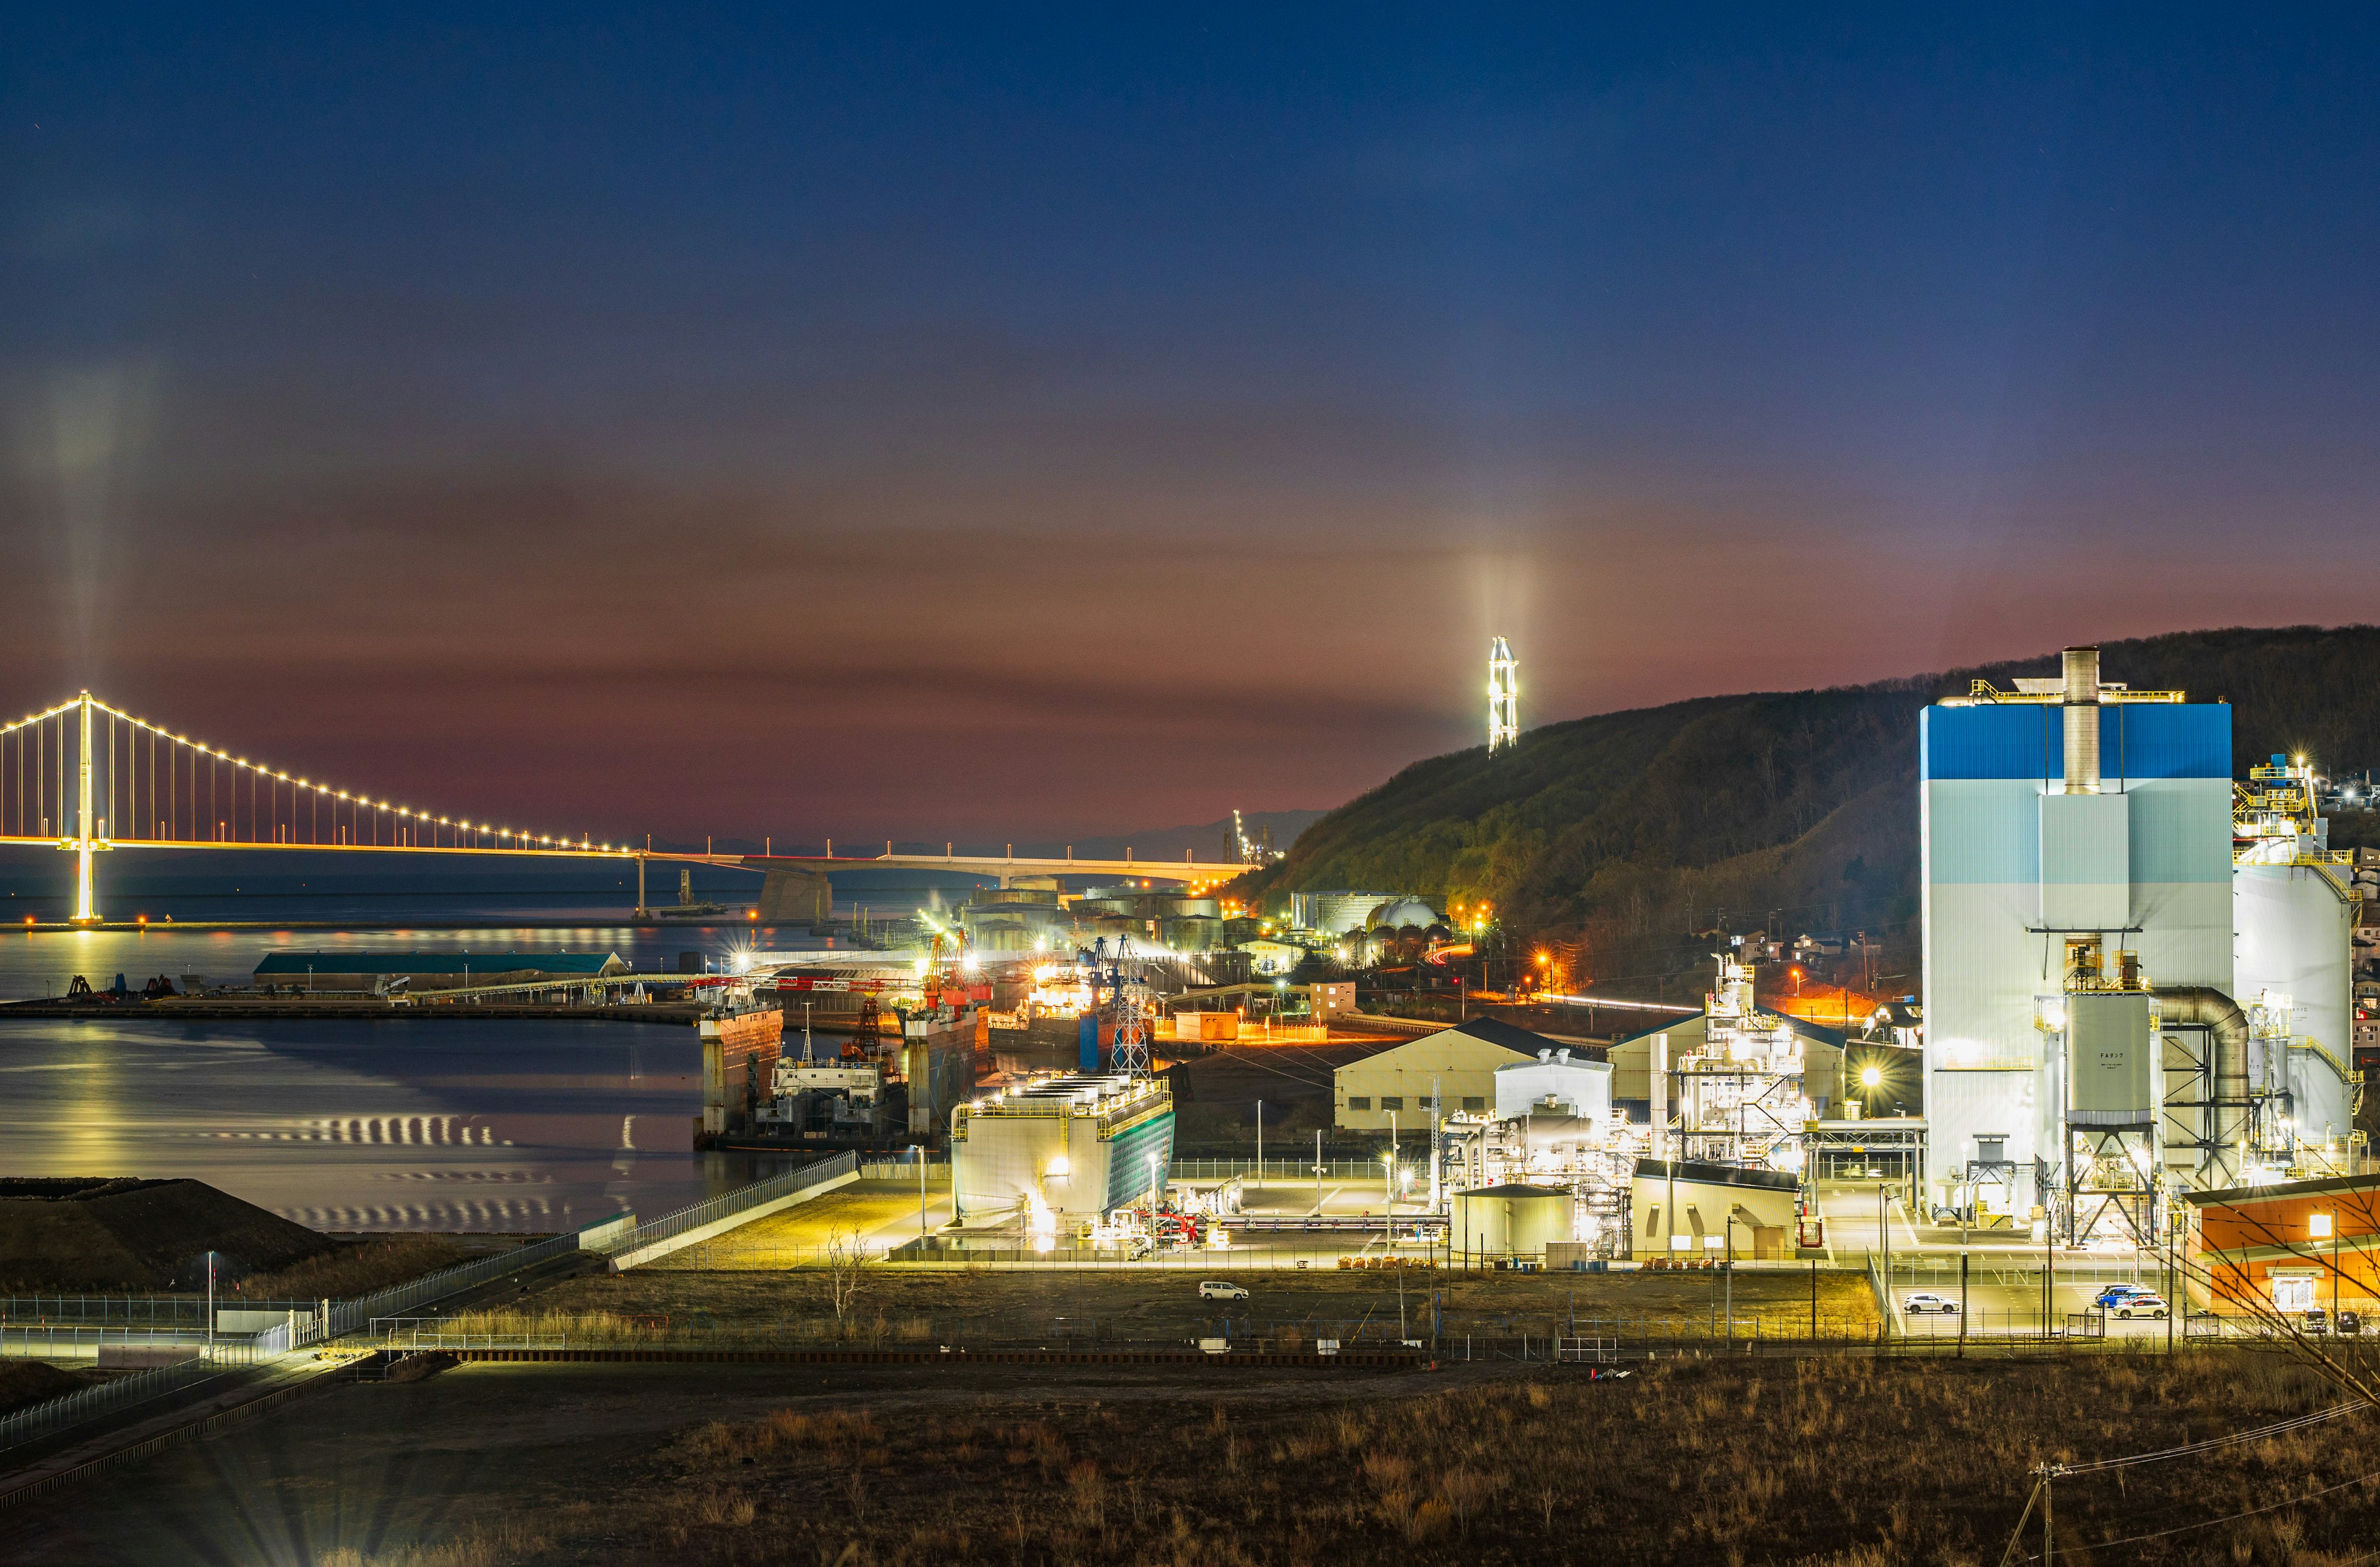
2082, 720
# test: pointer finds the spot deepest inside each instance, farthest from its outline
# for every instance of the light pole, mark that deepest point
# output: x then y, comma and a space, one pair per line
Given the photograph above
1389, 1175
1884, 1233
1259, 1142
920, 1149
1729, 1269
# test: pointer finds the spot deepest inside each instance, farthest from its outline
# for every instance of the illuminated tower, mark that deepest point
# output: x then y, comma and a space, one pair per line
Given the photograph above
1503, 696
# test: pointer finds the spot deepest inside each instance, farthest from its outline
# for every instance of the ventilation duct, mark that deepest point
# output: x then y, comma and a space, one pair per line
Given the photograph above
2082, 720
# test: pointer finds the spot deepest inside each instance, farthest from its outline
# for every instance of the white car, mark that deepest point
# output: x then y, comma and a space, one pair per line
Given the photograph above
1926, 1301
2141, 1304
1216, 1289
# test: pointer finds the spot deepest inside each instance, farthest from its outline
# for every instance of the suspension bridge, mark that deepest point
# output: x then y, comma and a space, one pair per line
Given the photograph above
87, 778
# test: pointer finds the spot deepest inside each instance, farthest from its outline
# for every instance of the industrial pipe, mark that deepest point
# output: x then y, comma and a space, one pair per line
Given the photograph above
2205, 1007
2082, 669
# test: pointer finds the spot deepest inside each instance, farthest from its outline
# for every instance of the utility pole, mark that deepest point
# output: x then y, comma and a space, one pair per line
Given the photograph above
1436, 1119
1884, 1235
1259, 1142
2049, 1268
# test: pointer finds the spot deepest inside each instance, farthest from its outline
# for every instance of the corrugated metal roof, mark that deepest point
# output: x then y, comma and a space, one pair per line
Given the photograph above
589, 963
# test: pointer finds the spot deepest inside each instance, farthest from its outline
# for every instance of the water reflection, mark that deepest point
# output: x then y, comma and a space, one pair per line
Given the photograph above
387, 1125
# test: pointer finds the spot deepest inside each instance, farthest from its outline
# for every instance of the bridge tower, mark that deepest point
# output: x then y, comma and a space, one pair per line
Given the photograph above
1503, 696
86, 839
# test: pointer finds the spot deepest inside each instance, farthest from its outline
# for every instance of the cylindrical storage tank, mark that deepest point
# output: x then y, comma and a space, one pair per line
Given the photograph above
1478, 1220
1191, 933
1512, 1220
2295, 934
1540, 1215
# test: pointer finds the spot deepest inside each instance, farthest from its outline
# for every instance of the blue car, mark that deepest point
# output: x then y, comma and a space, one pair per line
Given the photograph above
2116, 1294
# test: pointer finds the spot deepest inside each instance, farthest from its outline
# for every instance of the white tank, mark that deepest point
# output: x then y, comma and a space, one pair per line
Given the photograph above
2294, 935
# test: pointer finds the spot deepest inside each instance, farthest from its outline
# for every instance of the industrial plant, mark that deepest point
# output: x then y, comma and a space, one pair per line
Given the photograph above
2137, 972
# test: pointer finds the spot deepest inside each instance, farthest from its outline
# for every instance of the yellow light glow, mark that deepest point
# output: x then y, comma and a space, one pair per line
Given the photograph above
1871, 1076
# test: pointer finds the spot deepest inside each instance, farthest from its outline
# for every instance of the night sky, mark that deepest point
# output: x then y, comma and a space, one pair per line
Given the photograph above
1007, 424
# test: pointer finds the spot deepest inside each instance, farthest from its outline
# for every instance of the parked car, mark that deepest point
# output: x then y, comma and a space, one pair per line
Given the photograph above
2350, 1323
2116, 1294
2316, 1322
2141, 1304
1924, 1300
1218, 1289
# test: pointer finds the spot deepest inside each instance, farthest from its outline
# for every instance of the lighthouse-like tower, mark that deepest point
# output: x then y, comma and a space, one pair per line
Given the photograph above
1503, 696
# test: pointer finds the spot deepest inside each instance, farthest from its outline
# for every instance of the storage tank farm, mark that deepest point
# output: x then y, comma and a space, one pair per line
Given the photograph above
2136, 977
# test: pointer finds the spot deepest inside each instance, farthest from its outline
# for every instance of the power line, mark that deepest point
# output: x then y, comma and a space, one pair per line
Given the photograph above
2230, 1518
2280, 1427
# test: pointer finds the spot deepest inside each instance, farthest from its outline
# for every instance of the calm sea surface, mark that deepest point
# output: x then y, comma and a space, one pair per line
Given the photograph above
378, 1125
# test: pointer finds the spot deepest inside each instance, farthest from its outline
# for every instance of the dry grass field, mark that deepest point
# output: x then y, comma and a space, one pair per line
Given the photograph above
357, 1266
1054, 1307
1828, 1462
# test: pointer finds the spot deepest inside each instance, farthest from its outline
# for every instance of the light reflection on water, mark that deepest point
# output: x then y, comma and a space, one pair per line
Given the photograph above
379, 1126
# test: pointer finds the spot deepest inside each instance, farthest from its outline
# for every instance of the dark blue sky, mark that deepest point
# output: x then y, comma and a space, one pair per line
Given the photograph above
989, 424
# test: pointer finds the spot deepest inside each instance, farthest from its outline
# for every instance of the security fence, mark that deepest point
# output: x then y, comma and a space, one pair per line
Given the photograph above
155, 1313
351, 1316
60, 1414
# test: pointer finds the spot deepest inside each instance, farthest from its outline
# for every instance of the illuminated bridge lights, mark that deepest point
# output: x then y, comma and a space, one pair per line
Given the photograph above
70, 785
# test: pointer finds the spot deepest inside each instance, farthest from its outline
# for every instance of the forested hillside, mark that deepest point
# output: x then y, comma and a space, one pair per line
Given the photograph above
1626, 832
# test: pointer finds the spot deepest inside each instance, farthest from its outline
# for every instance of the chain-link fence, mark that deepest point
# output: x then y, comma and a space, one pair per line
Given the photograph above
60, 1414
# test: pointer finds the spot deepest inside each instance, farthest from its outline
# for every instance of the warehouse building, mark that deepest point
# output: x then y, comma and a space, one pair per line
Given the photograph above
2294, 1246
1683, 1208
1393, 1088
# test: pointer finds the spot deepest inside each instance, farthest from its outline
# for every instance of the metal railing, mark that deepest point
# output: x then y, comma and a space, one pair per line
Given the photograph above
736, 1201
70, 1341
1287, 1170
60, 1414
937, 1170
351, 1316
163, 1313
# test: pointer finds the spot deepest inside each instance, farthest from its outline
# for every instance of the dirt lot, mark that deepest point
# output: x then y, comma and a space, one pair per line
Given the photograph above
1823, 1462
985, 1307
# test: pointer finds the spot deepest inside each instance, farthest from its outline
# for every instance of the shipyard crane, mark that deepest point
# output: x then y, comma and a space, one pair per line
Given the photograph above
1127, 1005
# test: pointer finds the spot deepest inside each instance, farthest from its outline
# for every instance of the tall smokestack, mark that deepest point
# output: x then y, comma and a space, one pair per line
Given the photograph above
2082, 720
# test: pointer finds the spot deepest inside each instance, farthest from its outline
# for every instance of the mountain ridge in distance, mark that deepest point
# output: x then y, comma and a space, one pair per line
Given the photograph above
1621, 835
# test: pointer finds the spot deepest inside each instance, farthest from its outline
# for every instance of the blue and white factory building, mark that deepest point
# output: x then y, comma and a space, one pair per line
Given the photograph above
2136, 977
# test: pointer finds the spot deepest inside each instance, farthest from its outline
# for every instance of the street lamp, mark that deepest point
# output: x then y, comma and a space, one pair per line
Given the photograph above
2323, 1226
